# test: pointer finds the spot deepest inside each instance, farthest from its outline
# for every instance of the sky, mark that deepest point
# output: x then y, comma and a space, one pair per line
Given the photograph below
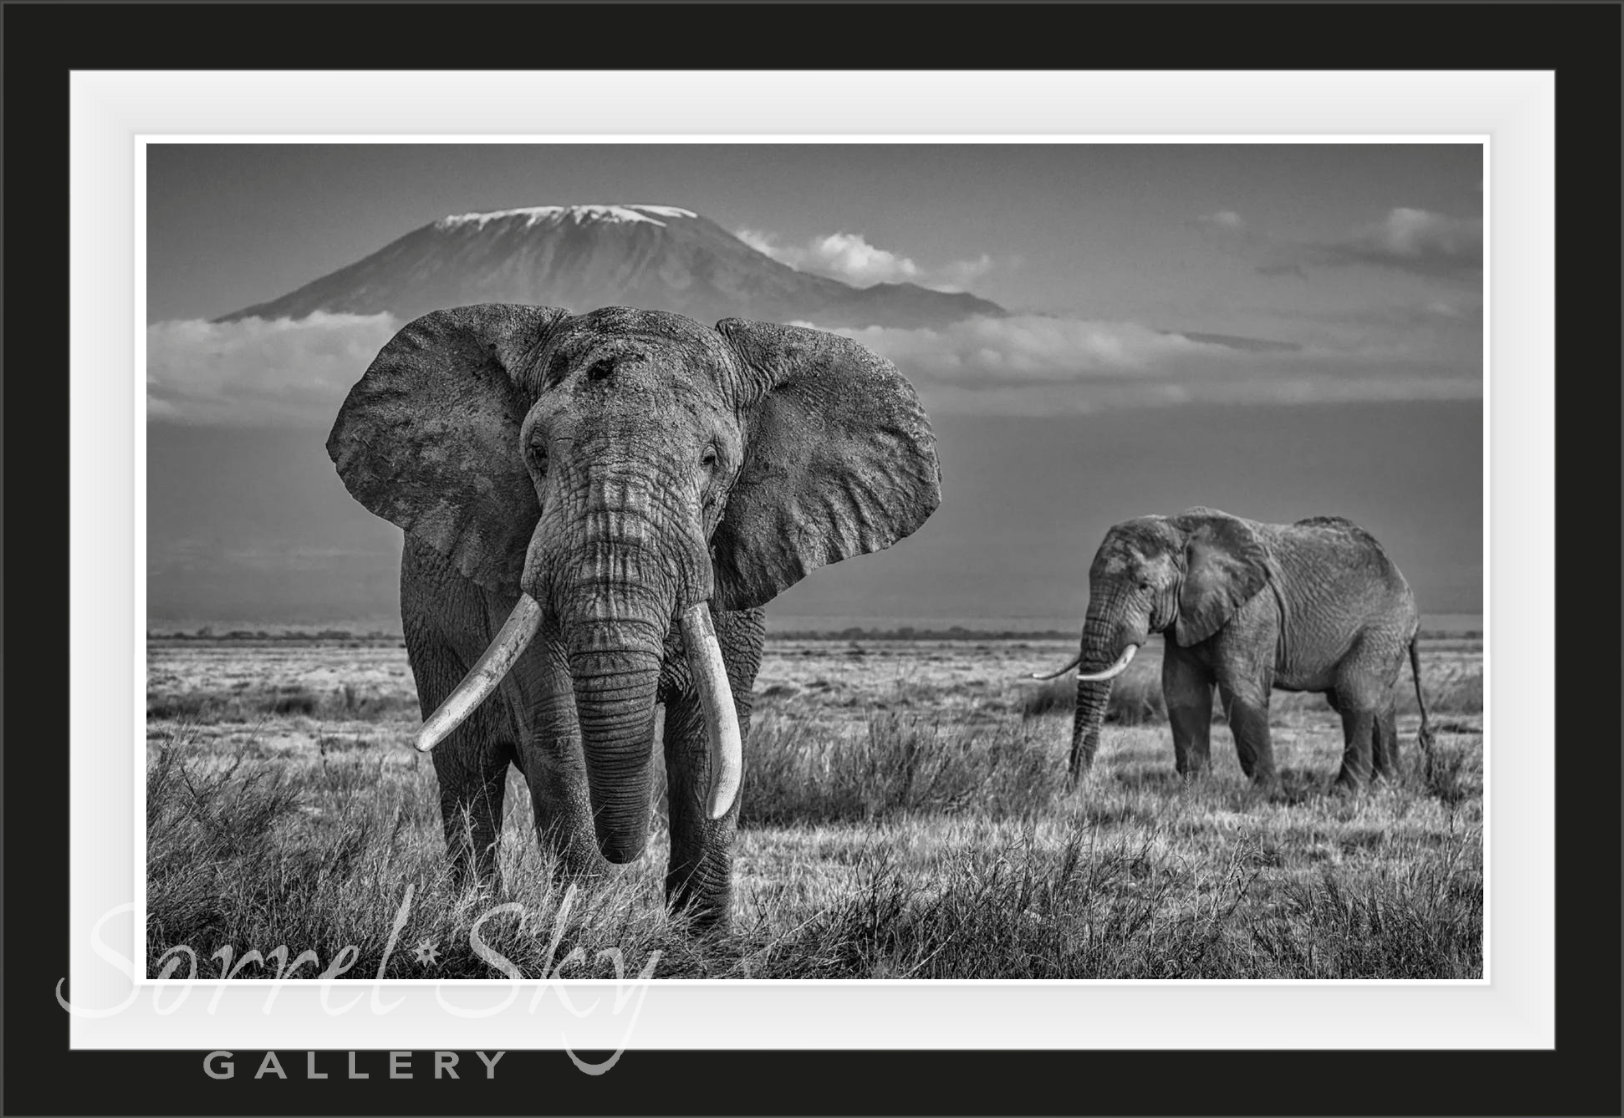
1278, 330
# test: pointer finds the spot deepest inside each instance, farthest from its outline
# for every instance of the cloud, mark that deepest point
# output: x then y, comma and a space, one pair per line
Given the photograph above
850, 258
1229, 228
1224, 219
1035, 365
1259, 391
1236, 341
1026, 349
295, 373
764, 243
258, 372
1417, 241
1456, 321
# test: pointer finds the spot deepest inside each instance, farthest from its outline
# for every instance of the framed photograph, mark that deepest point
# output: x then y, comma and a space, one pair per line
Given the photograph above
947, 587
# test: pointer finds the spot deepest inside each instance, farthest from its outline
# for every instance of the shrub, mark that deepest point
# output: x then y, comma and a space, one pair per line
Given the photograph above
243, 704
895, 765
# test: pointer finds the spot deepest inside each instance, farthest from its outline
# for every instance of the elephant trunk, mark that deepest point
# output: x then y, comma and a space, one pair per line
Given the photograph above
614, 700
1099, 655
613, 635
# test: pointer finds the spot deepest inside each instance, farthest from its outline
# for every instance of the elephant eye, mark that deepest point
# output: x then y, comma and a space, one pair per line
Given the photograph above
707, 458
557, 369
538, 455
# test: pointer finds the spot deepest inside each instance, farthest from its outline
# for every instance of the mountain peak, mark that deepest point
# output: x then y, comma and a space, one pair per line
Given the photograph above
616, 213
604, 255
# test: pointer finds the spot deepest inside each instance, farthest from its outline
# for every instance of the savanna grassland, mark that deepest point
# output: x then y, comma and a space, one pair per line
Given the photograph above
904, 816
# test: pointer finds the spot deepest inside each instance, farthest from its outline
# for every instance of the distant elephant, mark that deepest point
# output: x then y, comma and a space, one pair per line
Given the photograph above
1311, 606
596, 507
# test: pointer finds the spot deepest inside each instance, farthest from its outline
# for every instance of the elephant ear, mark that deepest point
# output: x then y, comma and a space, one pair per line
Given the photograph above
839, 460
428, 438
1225, 565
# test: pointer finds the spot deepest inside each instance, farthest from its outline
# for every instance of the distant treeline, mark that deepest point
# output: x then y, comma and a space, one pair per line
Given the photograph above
960, 633
208, 633
909, 633
905, 633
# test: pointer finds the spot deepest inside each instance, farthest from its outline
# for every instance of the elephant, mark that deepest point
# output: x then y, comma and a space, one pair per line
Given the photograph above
595, 509
1249, 607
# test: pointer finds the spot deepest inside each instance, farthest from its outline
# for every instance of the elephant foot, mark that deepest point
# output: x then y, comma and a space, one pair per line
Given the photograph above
575, 857
1347, 784
1265, 782
707, 915
711, 924
701, 895
481, 876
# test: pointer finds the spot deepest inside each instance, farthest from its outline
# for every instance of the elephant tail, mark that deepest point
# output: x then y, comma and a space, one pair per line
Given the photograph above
1425, 736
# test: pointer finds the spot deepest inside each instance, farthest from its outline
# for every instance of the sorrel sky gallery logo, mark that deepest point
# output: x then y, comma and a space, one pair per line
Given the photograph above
277, 967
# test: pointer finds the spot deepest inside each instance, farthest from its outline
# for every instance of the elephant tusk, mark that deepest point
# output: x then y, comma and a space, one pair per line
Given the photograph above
485, 676
1075, 660
1114, 670
716, 699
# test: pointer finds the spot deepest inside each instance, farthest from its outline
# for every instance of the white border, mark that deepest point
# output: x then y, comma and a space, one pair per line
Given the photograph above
1512, 1009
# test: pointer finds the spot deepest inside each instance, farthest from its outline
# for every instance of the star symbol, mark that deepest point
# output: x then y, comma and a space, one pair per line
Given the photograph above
426, 954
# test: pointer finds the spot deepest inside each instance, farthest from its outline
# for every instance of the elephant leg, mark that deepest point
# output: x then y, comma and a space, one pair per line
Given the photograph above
1363, 695
1247, 707
699, 878
1385, 760
471, 768
1358, 733
471, 796
1187, 690
699, 875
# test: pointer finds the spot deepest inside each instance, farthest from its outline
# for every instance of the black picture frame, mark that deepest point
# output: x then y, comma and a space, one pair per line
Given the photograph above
1579, 42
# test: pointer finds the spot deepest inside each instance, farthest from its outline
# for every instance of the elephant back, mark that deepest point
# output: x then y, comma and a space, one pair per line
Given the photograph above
1335, 550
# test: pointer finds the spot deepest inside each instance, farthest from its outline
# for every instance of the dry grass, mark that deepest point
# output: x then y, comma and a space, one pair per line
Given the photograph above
903, 816
1451, 676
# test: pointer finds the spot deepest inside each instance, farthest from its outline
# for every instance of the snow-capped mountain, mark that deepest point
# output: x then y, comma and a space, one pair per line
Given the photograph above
588, 256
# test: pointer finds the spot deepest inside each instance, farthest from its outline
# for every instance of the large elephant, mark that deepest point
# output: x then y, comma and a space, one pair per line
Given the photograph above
1248, 607
595, 508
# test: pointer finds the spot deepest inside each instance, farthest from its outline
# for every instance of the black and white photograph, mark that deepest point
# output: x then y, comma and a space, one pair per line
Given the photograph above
888, 561
715, 559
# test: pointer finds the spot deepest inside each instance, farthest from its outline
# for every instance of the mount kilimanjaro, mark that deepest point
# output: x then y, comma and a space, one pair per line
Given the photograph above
588, 256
